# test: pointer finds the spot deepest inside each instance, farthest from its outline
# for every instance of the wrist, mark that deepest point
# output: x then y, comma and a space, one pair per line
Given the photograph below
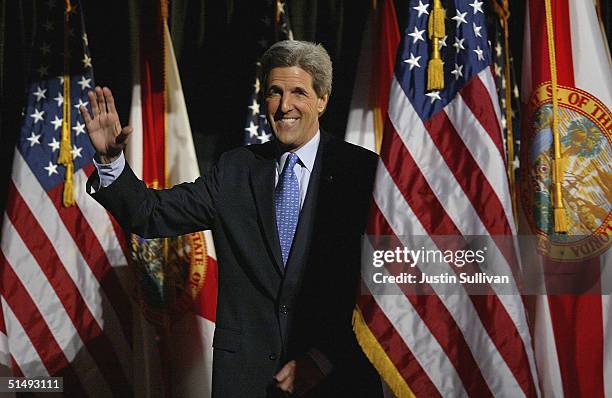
106, 159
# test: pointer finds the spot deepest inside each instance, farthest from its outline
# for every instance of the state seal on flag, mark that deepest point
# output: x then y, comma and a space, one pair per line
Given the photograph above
585, 130
170, 274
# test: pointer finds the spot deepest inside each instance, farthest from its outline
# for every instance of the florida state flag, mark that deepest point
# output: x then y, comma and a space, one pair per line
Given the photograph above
176, 277
566, 194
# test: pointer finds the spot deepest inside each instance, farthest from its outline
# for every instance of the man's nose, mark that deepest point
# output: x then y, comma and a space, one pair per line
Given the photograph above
285, 104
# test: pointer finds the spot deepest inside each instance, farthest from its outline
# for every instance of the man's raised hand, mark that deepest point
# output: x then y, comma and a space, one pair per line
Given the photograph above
103, 127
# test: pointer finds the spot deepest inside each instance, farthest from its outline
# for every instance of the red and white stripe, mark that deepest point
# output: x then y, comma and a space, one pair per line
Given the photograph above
447, 176
63, 305
573, 337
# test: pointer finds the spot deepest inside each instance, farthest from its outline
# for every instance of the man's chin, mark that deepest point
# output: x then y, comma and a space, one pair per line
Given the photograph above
286, 138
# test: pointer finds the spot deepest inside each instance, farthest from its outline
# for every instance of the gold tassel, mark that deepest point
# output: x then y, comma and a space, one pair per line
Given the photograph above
435, 72
65, 156
435, 69
560, 218
68, 197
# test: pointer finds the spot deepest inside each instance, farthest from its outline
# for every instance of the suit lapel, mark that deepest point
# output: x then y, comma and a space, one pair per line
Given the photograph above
262, 184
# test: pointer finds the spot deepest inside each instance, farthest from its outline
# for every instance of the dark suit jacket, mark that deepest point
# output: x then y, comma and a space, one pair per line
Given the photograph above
268, 314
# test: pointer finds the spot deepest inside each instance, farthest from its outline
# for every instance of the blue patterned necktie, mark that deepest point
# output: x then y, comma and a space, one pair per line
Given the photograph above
287, 202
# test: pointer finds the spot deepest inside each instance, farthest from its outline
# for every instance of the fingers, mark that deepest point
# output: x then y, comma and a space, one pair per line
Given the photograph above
285, 371
94, 104
285, 377
100, 100
85, 115
286, 385
109, 99
102, 103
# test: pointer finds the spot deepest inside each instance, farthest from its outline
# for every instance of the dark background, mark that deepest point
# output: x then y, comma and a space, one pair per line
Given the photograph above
216, 49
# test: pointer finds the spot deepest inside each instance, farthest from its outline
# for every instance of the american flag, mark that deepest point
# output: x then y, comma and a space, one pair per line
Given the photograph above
274, 26
442, 171
64, 308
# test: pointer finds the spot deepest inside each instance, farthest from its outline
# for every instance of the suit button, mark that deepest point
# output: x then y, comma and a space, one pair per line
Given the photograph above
284, 309
273, 356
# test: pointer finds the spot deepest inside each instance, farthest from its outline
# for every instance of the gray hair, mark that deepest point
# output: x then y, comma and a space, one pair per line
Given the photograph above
311, 57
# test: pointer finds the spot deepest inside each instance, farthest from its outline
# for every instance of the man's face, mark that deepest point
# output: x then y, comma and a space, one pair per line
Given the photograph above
292, 106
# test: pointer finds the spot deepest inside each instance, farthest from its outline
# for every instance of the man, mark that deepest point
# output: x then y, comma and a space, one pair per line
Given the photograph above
287, 218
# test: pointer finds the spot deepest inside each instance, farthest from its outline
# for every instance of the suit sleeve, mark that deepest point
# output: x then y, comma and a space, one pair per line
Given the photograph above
152, 213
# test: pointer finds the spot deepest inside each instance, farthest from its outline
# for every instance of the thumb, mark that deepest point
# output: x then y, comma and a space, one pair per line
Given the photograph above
127, 130
124, 134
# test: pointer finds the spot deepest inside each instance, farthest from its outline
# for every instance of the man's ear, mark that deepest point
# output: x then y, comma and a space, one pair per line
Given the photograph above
322, 103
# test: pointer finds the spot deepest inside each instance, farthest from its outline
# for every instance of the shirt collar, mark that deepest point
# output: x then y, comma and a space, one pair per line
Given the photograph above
307, 154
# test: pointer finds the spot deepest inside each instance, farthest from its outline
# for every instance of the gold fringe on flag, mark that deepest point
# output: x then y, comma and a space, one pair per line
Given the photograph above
560, 218
435, 69
379, 358
65, 156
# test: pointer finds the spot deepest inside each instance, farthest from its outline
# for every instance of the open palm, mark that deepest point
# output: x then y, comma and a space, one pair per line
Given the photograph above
103, 126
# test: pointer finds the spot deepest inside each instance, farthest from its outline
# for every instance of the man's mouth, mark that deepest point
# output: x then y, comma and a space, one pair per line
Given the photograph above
287, 121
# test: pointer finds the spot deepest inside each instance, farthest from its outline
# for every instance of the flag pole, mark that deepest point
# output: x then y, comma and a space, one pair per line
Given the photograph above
164, 344
65, 156
503, 13
377, 111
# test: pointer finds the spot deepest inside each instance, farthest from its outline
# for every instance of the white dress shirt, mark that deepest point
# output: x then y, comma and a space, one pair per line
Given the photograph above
303, 168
